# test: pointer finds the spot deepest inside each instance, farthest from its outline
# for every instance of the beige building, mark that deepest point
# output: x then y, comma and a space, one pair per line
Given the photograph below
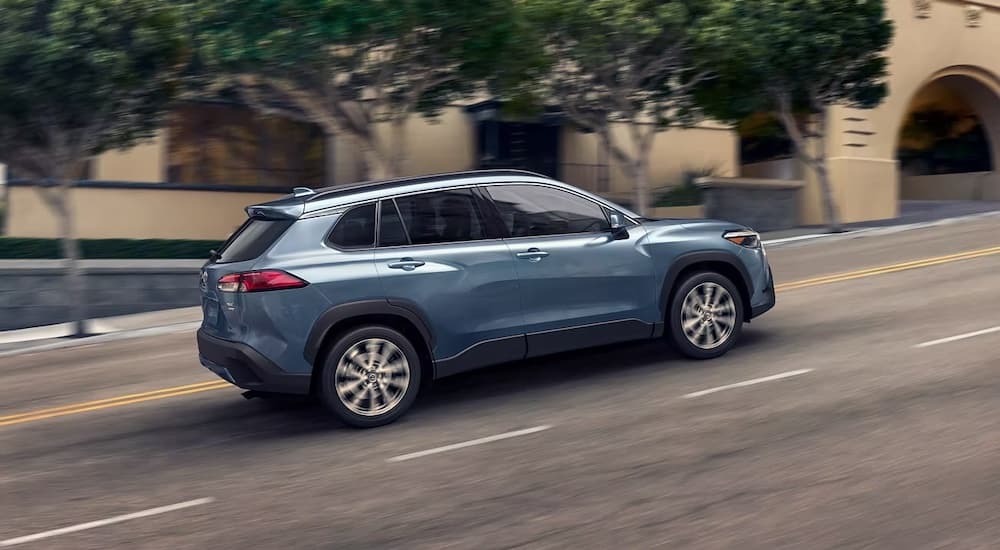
936, 136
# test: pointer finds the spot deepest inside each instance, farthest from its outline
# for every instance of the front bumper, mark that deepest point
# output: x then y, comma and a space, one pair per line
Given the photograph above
768, 298
243, 366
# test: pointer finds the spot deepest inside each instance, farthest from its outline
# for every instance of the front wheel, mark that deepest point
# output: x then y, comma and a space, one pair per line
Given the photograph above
370, 376
706, 316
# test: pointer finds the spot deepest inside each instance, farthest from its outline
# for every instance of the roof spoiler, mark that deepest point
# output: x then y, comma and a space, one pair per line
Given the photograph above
289, 207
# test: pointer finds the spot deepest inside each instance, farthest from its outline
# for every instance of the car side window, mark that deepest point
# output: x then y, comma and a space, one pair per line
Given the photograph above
391, 231
355, 228
535, 210
442, 217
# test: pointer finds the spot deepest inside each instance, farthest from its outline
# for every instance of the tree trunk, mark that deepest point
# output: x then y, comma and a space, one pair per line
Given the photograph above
823, 175
374, 165
818, 161
397, 157
58, 199
830, 209
329, 158
641, 181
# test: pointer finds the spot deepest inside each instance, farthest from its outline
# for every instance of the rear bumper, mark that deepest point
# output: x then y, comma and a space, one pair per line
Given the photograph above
243, 366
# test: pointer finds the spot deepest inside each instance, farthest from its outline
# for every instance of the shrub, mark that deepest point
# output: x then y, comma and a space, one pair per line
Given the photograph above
684, 193
29, 248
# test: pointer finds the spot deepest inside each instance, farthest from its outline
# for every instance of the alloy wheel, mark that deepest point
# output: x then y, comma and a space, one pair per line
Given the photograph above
372, 377
708, 315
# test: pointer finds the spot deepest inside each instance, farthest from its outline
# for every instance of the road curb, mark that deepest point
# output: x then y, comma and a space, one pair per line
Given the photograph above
875, 231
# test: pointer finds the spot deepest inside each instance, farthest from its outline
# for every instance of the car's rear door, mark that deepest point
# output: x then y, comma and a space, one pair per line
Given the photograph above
579, 285
438, 255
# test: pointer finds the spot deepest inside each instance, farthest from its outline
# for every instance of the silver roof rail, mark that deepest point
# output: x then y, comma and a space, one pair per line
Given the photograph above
302, 192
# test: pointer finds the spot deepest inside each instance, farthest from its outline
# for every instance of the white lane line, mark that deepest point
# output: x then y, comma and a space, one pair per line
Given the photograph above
470, 443
751, 382
958, 337
108, 521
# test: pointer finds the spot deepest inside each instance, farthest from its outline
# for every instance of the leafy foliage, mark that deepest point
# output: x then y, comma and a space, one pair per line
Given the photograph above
79, 77
810, 53
794, 58
619, 61
349, 64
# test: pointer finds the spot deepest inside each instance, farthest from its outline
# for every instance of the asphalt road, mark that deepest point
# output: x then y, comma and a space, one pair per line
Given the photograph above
840, 432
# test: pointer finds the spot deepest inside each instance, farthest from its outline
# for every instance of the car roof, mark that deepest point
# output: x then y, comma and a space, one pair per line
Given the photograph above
331, 197
309, 203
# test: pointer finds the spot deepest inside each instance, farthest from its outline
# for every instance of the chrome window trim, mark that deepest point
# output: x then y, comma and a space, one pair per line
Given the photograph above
603, 207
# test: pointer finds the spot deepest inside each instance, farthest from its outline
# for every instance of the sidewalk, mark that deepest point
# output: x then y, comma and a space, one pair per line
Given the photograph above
104, 329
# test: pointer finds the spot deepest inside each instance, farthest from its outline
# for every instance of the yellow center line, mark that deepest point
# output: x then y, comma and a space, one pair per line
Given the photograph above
189, 389
112, 402
893, 268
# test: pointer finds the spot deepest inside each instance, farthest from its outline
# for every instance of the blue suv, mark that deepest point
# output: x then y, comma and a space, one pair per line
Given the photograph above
362, 294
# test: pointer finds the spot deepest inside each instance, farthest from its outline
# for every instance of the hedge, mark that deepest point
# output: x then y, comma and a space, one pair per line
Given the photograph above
18, 248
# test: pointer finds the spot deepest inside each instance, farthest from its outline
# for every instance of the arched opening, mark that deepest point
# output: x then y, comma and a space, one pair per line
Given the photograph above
949, 140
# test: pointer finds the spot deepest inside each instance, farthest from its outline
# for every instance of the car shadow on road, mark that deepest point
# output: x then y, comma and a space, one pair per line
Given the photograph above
590, 365
283, 418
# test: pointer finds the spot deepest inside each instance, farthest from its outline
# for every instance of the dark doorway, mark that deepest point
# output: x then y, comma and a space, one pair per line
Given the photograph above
520, 144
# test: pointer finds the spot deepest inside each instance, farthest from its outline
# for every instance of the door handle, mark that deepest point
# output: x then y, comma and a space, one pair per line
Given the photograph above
532, 255
406, 264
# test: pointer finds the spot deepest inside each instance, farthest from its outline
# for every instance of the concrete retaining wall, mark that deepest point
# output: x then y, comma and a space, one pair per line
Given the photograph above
32, 291
762, 204
969, 186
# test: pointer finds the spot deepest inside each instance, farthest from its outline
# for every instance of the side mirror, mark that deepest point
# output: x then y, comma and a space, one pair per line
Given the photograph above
619, 230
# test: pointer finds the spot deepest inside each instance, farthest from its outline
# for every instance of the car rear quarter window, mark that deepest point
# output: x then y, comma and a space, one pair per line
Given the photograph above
536, 210
252, 239
355, 228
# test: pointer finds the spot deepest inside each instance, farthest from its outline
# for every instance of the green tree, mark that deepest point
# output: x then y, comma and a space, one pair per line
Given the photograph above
347, 65
795, 59
77, 78
619, 61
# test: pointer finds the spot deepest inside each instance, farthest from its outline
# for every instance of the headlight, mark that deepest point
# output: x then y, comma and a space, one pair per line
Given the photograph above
744, 238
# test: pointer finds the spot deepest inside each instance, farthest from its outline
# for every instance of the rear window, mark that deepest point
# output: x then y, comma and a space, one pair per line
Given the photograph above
252, 239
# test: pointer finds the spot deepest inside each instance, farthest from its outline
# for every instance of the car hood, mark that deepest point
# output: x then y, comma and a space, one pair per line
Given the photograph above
705, 224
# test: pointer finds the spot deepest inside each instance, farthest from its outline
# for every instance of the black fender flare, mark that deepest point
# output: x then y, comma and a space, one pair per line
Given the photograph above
343, 312
688, 259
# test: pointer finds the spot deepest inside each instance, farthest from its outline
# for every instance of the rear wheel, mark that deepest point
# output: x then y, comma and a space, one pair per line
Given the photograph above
370, 376
706, 316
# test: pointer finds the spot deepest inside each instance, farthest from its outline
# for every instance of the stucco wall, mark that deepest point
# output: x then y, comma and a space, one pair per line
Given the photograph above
134, 213
144, 162
674, 151
433, 145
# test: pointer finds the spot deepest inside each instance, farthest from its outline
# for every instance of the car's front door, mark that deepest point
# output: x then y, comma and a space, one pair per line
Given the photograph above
437, 254
579, 284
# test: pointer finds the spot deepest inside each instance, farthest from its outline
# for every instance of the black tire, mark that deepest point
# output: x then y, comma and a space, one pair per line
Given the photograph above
332, 399
675, 330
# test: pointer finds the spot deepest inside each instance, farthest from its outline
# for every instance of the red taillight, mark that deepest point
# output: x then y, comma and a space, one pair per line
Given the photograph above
259, 281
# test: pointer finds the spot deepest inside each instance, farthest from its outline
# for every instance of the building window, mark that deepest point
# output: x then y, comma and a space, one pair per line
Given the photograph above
219, 143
